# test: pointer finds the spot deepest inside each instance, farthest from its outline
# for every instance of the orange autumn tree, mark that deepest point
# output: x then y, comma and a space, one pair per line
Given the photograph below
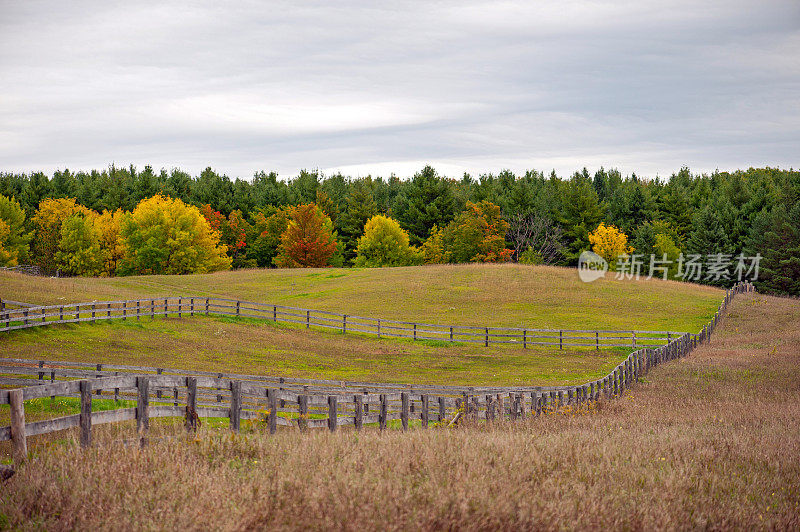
309, 240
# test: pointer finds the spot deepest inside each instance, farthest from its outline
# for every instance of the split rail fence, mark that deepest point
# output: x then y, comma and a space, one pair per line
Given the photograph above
30, 316
300, 403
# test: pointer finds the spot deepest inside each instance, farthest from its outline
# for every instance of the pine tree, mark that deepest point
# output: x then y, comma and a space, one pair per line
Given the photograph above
780, 249
580, 213
425, 201
359, 207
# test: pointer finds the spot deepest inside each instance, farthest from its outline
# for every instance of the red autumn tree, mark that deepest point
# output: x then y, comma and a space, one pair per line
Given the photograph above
309, 240
214, 218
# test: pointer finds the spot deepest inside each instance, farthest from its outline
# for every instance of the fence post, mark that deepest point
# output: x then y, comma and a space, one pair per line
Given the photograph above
308, 319
236, 405
180, 305
597, 340
486, 344
191, 306
159, 371
382, 415
238, 310
206, 306
404, 410
25, 313
99, 368
415, 331
143, 408
41, 373
524, 339
191, 404
93, 307
442, 409
358, 417
344, 323
489, 408
86, 413
273, 411
424, 415
18, 438
332, 413
561, 340
302, 404
379, 329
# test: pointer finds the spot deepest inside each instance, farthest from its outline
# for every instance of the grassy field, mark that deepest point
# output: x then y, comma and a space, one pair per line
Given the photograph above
706, 442
228, 344
505, 295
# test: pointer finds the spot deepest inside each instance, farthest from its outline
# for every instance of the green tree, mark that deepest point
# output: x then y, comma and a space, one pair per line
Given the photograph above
359, 207
79, 250
580, 213
780, 248
13, 237
425, 201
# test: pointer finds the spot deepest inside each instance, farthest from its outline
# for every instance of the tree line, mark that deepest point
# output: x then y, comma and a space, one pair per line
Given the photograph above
532, 218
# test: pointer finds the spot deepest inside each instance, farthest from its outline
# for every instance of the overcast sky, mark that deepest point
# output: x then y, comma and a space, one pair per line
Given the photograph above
463, 86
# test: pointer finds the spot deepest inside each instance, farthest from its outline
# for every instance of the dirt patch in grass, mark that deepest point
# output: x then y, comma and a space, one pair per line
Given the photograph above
708, 442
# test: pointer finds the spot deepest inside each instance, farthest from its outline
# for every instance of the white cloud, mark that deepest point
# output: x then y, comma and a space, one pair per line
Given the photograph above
476, 86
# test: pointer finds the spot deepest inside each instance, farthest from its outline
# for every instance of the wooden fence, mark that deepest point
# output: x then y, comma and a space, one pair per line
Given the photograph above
29, 316
316, 404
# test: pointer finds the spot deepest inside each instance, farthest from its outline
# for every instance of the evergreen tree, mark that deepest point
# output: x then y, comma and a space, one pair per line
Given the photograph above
780, 248
425, 201
580, 214
359, 207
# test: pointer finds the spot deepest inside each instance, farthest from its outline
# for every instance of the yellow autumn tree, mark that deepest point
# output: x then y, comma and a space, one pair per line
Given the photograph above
109, 224
609, 242
166, 236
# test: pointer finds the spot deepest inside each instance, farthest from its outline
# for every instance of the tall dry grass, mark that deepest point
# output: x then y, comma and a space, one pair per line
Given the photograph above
707, 442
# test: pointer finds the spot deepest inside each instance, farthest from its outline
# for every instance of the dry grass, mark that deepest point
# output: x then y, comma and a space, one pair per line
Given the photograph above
708, 442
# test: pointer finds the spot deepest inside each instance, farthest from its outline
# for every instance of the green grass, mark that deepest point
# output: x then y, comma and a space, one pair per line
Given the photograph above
245, 345
499, 295
504, 295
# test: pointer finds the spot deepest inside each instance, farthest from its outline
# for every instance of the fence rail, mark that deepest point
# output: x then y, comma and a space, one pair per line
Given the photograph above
316, 405
30, 316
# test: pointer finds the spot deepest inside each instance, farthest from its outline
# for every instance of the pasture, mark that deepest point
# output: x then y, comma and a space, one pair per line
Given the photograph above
715, 434
501, 295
